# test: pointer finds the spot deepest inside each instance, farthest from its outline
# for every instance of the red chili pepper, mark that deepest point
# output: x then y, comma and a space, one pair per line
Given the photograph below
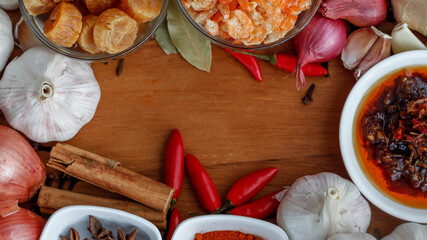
249, 62
261, 208
202, 184
420, 126
174, 162
288, 62
248, 186
174, 221
399, 131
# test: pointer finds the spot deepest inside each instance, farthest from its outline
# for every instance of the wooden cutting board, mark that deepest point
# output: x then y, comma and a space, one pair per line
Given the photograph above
232, 123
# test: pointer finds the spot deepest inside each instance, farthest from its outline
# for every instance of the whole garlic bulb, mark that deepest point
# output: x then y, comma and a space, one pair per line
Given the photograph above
9, 4
47, 96
319, 206
352, 236
6, 38
413, 231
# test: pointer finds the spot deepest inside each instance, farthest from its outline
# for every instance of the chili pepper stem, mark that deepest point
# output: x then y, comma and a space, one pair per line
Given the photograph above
173, 202
224, 208
270, 58
194, 214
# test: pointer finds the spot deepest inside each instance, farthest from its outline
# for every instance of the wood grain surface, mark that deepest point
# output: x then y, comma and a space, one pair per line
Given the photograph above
232, 123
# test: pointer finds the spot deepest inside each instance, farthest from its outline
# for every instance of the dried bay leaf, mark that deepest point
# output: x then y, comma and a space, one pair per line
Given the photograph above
194, 47
164, 40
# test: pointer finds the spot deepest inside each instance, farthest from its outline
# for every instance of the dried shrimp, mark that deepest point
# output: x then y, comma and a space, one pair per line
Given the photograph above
251, 22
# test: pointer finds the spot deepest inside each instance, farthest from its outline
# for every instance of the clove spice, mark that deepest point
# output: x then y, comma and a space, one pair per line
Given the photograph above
119, 69
308, 96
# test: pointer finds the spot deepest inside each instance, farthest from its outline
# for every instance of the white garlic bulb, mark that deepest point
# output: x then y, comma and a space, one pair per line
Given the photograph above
9, 4
319, 206
405, 231
47, 96
6, 38
352, 236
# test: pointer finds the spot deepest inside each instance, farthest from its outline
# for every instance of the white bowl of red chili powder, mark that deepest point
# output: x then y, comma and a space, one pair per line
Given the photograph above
379, 137
227, 227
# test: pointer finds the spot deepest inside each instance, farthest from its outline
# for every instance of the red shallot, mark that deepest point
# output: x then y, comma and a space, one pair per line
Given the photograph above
361, 13
321, 40
22, 225
22, 172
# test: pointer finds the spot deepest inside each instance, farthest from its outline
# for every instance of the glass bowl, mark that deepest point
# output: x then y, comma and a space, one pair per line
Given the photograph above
36, 23
303, 19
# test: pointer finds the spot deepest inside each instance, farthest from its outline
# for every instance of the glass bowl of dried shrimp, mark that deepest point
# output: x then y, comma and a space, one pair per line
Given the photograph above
249, 25
93, 30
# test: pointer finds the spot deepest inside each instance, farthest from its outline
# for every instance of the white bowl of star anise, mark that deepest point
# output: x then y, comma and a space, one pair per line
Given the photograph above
99, 223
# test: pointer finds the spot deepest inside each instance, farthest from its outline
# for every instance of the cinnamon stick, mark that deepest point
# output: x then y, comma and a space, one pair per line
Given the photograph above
51, 199
108, 174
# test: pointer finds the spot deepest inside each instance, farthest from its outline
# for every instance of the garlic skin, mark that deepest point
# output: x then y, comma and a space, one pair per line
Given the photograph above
47, 96
412, 12
6, 38
404, 40
413, 231
319, 206
357, 46
379, 51
9, 4
352, 236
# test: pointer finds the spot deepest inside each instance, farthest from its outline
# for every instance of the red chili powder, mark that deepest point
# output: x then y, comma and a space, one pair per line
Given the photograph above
225, 235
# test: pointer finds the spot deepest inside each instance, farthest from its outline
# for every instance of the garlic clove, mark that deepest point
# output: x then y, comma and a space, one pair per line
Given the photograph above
412, 12
6, 38
413, 231
357, 46
379, 51
352, 236
404, 40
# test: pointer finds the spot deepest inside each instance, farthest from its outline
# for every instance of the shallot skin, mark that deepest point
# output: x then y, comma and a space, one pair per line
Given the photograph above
22, 225
22, 172
320, 41
361, 13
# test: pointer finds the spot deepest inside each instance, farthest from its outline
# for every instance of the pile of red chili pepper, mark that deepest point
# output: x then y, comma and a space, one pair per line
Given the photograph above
237, 197
225, 235
283, 61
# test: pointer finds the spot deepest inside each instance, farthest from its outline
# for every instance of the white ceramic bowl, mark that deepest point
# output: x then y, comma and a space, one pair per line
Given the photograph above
78, 217
218, 222
368, 189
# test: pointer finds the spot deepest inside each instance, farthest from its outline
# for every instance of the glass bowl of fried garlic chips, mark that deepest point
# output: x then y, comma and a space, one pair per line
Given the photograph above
259, 26
93, 30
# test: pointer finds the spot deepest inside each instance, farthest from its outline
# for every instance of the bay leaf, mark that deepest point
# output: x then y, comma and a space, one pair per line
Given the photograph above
164, 40
192, 46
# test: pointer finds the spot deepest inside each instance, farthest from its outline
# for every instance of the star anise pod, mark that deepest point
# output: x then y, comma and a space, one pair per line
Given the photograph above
95, 226
120, 234
132, 235
74, 235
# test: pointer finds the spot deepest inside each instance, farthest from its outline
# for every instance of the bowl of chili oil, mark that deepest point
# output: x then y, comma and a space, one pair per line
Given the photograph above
401, 189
